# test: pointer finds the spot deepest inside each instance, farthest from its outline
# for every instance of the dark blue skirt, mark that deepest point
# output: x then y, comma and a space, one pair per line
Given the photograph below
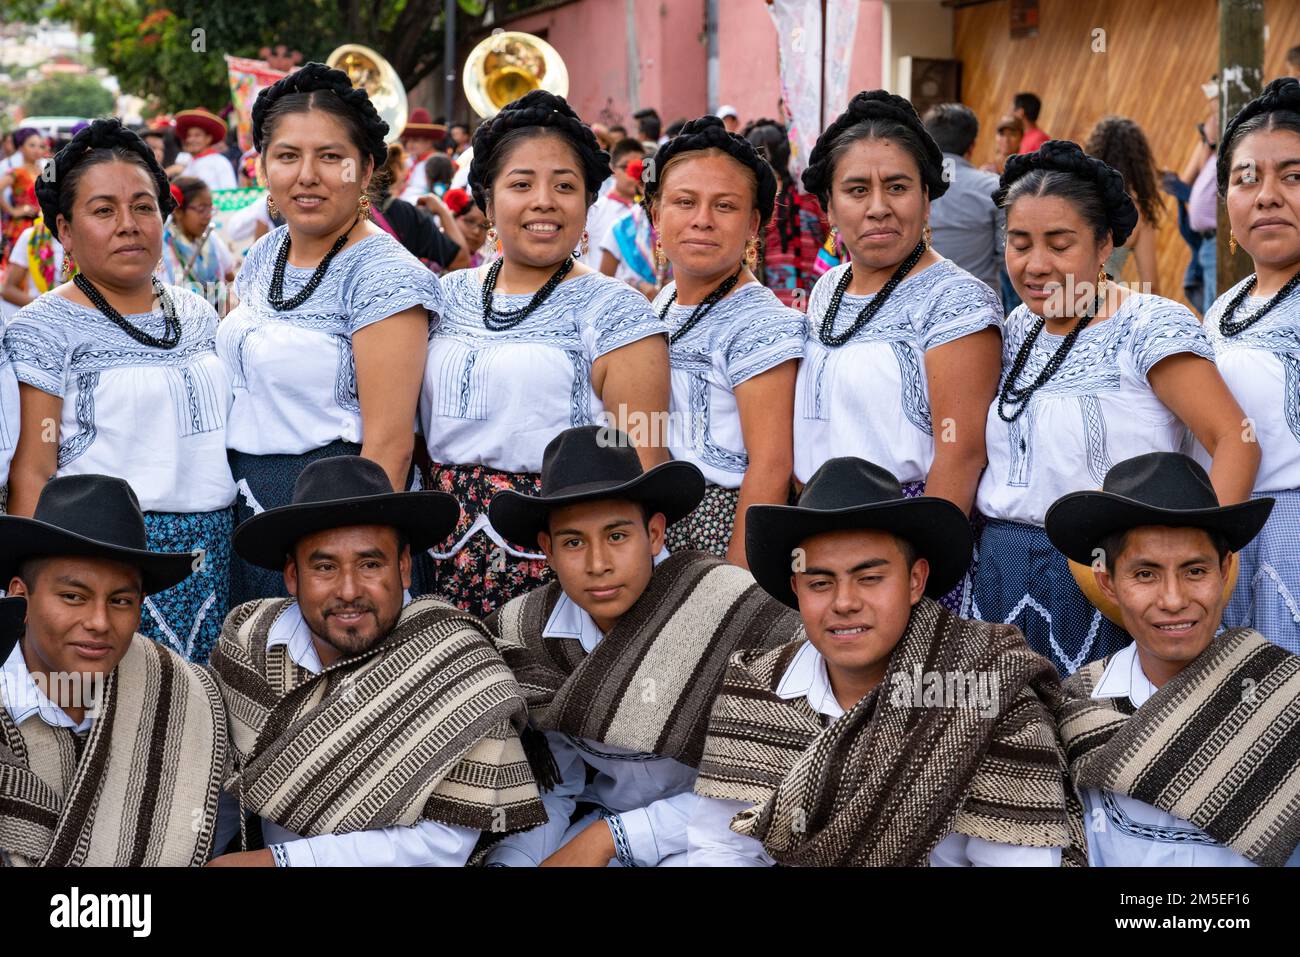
187, 617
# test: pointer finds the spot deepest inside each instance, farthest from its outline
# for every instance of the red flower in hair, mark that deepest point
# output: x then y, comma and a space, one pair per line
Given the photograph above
178, 196
457, 200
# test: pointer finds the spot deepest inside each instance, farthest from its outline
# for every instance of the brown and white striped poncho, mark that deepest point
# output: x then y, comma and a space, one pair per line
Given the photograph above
649, 685
423, 726
886, 782
1218, 746
142, 789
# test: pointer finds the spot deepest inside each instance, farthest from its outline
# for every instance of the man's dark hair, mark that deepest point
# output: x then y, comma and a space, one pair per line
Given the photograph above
460, 126
617, 132
675, 127
623, 147
1113, 545
29, 570
649, 122
1028, 102
953, 126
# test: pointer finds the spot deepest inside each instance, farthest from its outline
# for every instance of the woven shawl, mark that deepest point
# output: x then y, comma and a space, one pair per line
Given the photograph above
1219, 745
649, 684
422, 726
885, 783
141, 792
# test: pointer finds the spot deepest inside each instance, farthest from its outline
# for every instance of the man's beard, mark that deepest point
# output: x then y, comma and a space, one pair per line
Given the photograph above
350, 640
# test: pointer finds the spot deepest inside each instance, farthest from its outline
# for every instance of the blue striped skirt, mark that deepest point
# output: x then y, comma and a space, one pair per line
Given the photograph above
187, 617
1020, 579
1267, 596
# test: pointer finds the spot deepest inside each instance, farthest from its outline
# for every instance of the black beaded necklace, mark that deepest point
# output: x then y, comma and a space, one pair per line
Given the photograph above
702, 309
171, 323
1020, 397
276, 295
827, 331
501, 321
1231, 327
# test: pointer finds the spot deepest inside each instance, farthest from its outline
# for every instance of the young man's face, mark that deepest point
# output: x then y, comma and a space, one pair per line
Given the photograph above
856, 593
81, 614
603, 554
1168, 584
349, 583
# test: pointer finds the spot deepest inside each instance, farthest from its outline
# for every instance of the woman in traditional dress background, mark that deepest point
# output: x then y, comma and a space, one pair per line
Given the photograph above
20, 181
195, 257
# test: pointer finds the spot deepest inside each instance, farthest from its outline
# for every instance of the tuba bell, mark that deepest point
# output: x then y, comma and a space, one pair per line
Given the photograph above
369, 71
506, 65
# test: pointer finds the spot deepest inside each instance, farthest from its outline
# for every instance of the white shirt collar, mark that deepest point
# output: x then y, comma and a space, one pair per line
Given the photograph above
569, 620
22, 698
1124, 678
806, 675
291, 629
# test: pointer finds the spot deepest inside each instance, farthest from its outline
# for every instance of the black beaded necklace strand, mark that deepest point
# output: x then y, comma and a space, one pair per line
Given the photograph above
1020, 397
501, 321
827, 331
171, 323
276, 294
702, 309
1231, 327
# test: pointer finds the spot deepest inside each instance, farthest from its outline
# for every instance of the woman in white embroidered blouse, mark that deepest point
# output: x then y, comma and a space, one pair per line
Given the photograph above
128, 370
326, 346
734, 347
530, 345
1092, 374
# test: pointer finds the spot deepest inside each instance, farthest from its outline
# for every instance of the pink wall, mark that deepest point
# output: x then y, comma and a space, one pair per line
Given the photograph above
672, 75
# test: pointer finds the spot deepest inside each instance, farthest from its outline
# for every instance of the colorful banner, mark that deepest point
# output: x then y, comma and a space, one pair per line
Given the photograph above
247, 79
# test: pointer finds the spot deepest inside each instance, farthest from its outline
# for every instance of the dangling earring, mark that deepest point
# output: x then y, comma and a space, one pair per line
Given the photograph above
751, 254
925, 235
363, 204
1232, 243
586, 243
1101, 280
660, 260
492, 235
270, 207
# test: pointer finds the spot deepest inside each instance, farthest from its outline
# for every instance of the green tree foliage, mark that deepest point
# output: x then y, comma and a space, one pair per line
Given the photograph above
68, 95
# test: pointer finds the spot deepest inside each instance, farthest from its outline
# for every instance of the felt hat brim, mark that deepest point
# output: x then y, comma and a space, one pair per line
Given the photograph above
425, 518
673, 488
936, 528
26, 538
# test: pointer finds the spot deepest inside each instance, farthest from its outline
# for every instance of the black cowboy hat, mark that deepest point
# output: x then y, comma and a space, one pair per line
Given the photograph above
851, 493
13, 612
1158, 488
339, 491
93, 516
593, 462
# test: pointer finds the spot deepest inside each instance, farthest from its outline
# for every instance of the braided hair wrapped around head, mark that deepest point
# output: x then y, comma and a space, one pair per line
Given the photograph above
319, 78
708, 132
549, 113
100, 141
874, 107
1062, 156
1282, 96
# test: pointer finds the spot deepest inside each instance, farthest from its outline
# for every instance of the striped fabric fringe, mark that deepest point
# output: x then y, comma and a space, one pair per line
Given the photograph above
650, 684
128, 797
1218, 746
885, 783
422, 726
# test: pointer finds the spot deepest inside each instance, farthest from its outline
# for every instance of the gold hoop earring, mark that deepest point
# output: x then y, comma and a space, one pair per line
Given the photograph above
271, 208
363, 204
1232, 243
585, 243
751, 254
925, 235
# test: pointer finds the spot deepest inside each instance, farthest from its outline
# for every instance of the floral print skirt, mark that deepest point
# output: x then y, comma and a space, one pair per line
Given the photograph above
708, 527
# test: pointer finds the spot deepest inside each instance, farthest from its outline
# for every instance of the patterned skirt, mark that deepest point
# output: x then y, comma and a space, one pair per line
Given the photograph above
187, 617
709, 527
475, 569
959, 597
1267, 596
1020, 579
266, 481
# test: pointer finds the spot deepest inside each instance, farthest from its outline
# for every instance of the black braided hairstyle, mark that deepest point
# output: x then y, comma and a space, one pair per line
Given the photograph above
317, 86
1278, 107
1061, 168
875, 114
538, 112
706, 133
770, 139
100, 142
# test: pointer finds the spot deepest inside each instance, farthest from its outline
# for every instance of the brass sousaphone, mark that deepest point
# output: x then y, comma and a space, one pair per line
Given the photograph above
371, 72
506, 65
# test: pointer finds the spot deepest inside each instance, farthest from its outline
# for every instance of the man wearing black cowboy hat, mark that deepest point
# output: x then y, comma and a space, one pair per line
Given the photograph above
620, 657
366, 731
123, 742
894, 733
1185, 746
